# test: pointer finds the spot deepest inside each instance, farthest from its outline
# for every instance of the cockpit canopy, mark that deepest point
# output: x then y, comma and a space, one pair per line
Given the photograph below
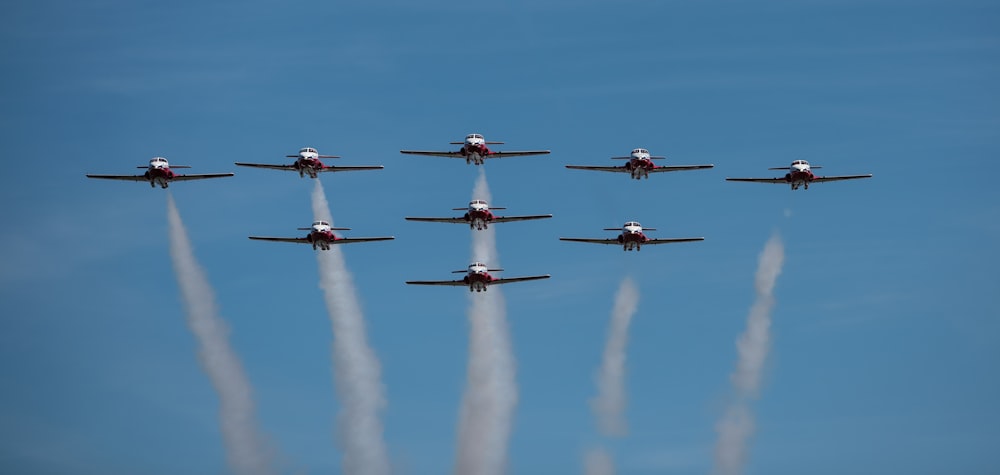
321, 223
473, 136
800, 162
158, 161
477, 202
308, 150
633, 224
640, 150
476, 264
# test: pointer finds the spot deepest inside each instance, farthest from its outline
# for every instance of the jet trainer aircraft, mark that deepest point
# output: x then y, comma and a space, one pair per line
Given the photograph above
632, 237
477, 278
800, 174
475, 150
479, 217
640, 165
307, 162
321, 236
159, 172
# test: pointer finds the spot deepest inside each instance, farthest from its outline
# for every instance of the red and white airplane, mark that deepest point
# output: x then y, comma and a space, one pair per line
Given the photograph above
475, 150
632, 237
321, 236
800, 174
159, 172
478, 216
640, 165
477, 277
307, 162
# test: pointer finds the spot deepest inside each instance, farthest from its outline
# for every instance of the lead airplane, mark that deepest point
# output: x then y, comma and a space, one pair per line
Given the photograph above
632, 237
159, 172
478, 216
800, 174
475, 150
477, 277
308, 162
640, 165
321, 236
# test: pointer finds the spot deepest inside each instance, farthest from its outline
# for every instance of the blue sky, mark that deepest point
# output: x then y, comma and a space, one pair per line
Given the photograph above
886, 349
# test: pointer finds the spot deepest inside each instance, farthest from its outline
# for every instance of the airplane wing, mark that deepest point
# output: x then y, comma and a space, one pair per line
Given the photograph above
440, 220
329, 168
760, 180
518, 154
507, 280
592, 241
671, 240
677, 168
507, 219
452, 283
838, 178
199, 177
433, 154
300, 240
363, 239
599, 169
120, 177
265, 165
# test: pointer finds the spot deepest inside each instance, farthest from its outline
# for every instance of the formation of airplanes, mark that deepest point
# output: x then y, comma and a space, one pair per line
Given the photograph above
478, 278
475, 149
632, 237
308, 162
159, 172
478, 215
640, 165
321, 236
800, 174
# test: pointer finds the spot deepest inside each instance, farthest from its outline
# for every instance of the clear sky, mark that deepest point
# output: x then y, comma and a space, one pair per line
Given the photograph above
885, 355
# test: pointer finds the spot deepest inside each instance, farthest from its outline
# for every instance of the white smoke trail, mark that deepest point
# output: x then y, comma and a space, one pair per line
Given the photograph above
356, 369
246, 449
598, 462
491, 390
609, 405
737, 424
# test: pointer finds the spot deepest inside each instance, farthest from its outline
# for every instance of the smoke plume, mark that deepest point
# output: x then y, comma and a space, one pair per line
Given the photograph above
736, 426
598, 462
491, 391
356, 370
246, 449
609, 405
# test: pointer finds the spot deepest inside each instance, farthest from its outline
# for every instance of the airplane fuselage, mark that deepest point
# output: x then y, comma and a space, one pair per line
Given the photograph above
639, 164
632, 237
799, 174
321, 239
308, 163
479, 217
478, 281
159, 172
639, 167
475, 153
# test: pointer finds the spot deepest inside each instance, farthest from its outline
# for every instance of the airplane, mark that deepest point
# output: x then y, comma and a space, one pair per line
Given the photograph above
800, 174
479, 217
632, 237
321, 236
307, 162
640, 165
477, 278
159, 172
475, 150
